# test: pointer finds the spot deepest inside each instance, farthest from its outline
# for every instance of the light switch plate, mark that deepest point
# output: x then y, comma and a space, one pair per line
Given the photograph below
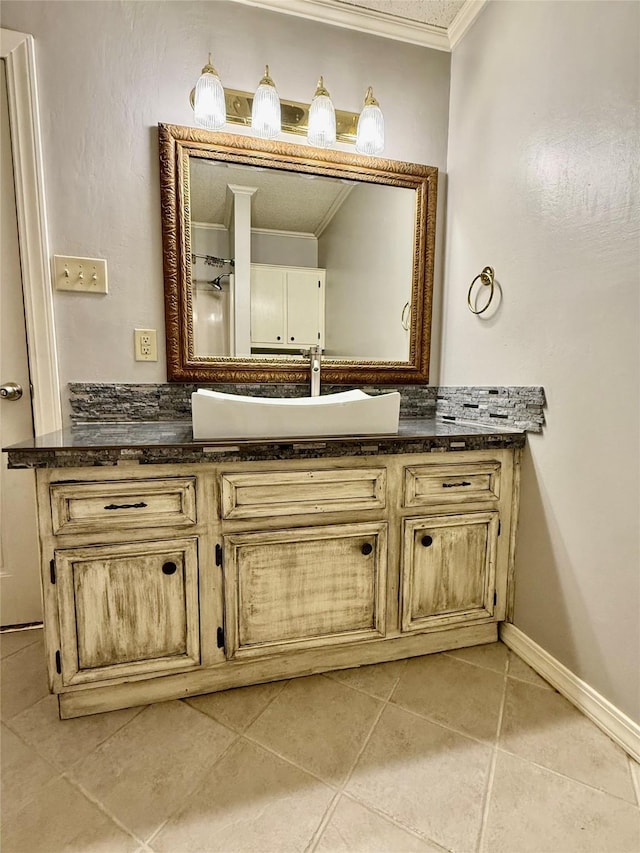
81, 275
145, 344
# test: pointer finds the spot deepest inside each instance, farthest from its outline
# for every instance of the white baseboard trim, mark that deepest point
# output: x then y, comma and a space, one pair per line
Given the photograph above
613, 722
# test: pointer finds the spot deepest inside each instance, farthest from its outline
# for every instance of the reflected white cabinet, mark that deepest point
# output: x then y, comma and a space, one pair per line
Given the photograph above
287, 307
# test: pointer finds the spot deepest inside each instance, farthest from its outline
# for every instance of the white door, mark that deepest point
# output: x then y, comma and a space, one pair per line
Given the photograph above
20, 600
267, 305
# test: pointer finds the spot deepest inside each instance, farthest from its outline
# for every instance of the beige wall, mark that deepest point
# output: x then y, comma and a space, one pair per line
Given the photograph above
543, 185
109, 72
367, 250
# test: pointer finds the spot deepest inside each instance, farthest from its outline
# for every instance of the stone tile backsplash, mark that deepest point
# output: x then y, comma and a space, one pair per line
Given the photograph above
507, 407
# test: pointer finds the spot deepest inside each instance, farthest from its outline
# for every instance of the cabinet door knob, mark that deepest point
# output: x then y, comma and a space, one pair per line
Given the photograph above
293, 339
367, 548
169, 568
426, 541
278, 337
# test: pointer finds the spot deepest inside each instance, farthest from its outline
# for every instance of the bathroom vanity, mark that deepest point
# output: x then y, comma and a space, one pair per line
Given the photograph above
172, 568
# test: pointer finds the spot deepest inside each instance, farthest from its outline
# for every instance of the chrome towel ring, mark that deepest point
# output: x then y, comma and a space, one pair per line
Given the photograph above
487, 278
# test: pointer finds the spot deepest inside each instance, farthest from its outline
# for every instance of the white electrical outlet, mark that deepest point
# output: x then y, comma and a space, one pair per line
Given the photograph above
81, 275
145, 344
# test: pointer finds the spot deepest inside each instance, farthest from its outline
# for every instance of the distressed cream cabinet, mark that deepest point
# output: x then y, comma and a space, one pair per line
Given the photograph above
164, 581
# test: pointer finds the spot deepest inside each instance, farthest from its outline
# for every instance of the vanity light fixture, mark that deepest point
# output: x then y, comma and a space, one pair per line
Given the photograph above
370, 135
321, 130
268, 115
266, 120
208, 104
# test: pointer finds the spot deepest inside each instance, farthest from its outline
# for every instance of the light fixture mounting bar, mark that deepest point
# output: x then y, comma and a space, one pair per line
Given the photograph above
295, 115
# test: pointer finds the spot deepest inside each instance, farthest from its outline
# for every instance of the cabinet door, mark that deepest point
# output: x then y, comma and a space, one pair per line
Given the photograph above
448, 570
304, 588
303, 308
127, 609
268, 303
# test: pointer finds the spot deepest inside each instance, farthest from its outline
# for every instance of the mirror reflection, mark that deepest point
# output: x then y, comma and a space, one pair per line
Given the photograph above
281, 261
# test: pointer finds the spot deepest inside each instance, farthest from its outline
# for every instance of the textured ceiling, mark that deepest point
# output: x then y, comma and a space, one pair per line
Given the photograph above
437, 13
284, 201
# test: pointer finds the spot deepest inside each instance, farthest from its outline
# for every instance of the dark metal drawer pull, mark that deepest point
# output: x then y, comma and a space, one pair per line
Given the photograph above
426, 541
169, 568
126, 506
454, 485
367, 548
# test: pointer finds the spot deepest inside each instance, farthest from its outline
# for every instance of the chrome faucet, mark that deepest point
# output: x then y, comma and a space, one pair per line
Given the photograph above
315, 355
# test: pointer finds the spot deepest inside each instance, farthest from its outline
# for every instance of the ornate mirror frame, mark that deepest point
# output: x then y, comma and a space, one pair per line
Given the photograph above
177, 144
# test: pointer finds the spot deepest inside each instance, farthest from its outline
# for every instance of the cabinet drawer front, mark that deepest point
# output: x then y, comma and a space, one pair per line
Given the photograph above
275, 493
304, 588
448, 569
127, 609
455, 483
87, 507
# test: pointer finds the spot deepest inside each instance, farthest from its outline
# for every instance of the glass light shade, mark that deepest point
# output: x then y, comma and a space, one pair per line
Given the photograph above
370, 133
266, 119
209, 107
321, 130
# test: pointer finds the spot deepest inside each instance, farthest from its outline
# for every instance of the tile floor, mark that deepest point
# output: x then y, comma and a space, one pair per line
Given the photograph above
463, 751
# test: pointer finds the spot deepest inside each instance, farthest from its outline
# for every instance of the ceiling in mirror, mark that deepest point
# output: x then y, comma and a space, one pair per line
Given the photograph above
271, 248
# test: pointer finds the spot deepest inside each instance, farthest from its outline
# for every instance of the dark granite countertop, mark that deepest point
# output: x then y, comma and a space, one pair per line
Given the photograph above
169, 442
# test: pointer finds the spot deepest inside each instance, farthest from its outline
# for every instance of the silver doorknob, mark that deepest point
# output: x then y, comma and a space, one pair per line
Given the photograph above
11, 391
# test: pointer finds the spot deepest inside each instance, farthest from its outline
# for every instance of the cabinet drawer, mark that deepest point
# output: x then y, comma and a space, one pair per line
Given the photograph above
275, 493
88, 507
127, 609
456, 483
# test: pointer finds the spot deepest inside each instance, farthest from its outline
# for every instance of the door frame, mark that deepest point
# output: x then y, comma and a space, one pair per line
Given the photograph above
18, 51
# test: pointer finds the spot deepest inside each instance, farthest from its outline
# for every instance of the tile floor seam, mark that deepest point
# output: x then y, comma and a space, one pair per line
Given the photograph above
343, 791
324, 822
358, 689
450, 654
47, 761
568, 778
635, 778
417, 833
376, 720
440, 724
254, 742
148, 841
26, 646
101, 807
270, 701
494, 758
53, 763
545, 686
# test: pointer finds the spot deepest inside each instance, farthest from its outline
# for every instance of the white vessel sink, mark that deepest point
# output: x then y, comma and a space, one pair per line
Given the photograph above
216, 415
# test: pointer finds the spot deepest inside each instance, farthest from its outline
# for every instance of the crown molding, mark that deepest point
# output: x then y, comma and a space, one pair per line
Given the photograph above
463, 20
357, 18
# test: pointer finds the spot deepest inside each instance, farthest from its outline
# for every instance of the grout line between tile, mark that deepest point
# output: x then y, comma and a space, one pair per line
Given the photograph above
226, 725
26, 645
246, 736
195, 786
411, 830
324, 820
494, 758
440, 724
333, 804
568, 778
101, 807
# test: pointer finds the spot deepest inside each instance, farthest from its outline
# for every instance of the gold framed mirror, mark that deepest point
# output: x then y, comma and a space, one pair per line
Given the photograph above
270, 248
